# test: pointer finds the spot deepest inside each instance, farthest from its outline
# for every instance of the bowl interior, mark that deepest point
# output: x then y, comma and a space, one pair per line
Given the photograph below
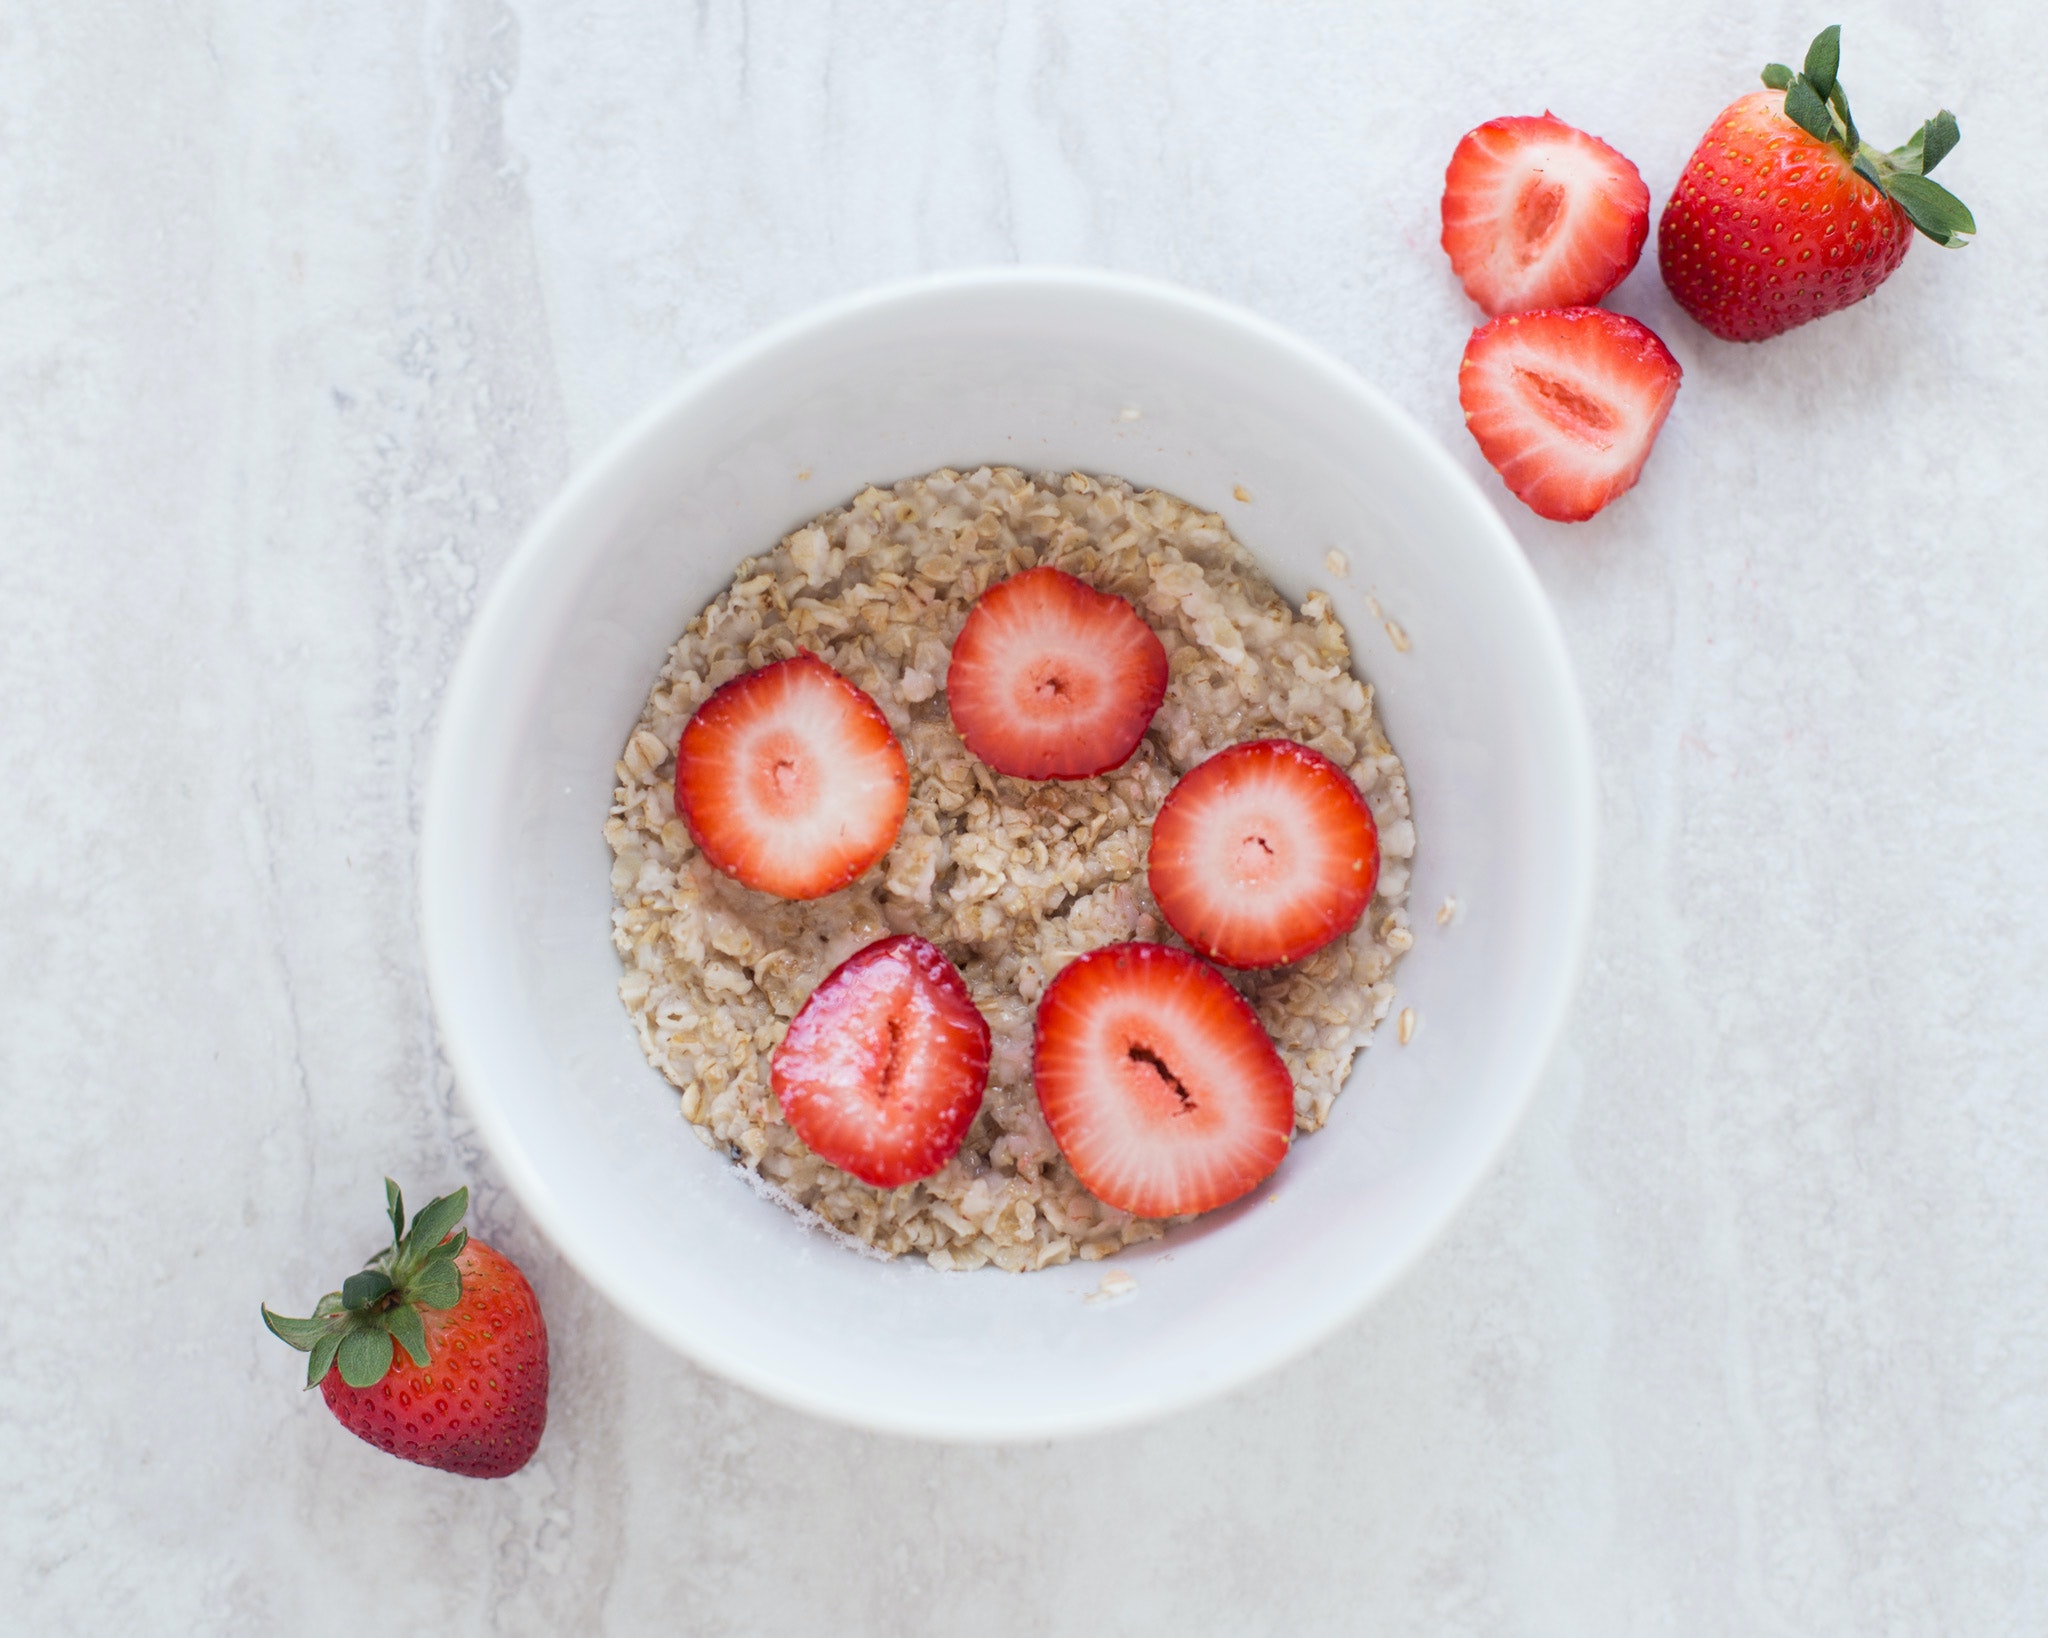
1041, 371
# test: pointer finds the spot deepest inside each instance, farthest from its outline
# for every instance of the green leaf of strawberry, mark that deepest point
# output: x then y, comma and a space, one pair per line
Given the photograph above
437, 1285
433, 1224
1838, 100
405, 1326
1928, 146
1807, 109
322, 1359
450, 1248
1935, 211
1937, 137
1824, 59
365, 1356
359, 1291
300, 1333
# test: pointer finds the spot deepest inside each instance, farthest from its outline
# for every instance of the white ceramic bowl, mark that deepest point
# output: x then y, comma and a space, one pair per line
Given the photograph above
1040, 369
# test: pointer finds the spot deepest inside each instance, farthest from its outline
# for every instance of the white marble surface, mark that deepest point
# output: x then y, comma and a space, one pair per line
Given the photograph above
306, 308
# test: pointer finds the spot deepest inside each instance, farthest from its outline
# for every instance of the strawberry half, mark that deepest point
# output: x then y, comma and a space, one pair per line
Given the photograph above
1566, 404
882, 1069
1158, 1082
790, 779
1539, 214
1052, 679
1263, 854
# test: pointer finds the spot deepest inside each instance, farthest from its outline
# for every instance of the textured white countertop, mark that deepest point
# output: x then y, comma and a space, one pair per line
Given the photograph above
307, 309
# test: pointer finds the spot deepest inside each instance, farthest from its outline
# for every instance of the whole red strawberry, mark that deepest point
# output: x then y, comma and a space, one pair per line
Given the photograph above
1786, 214
436, 1351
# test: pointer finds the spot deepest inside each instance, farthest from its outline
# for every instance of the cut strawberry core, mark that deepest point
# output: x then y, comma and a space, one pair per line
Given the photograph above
1568, 408
1255, 863
785, 776
1154, 1070
1536, 218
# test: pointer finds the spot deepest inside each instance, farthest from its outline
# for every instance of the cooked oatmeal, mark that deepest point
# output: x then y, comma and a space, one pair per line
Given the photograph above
1012, 879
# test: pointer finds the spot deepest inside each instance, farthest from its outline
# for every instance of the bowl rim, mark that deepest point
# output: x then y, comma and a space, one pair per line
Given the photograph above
465, 703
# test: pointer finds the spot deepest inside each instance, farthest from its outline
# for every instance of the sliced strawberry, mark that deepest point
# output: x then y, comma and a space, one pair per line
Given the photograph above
791, 780
1539, 214
1158, 1082
1566, 404
1263, 853
882, 1069
1052, 679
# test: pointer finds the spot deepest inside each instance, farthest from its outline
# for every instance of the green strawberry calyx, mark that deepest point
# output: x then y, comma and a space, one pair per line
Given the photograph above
1817, 104
358, 1326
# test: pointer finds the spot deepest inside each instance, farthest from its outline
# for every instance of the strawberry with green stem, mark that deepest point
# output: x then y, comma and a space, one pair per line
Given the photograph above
435, 1351
1785, 214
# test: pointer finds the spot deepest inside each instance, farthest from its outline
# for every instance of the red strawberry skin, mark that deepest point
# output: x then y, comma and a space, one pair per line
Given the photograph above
791, 780
1263, 854
1158, 1082
882, 1070
1052, 679
1566, 404
1770, 228
1539, 214
480, 1407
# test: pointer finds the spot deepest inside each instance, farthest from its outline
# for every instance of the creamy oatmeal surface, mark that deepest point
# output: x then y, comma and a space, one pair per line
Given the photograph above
1010, 878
